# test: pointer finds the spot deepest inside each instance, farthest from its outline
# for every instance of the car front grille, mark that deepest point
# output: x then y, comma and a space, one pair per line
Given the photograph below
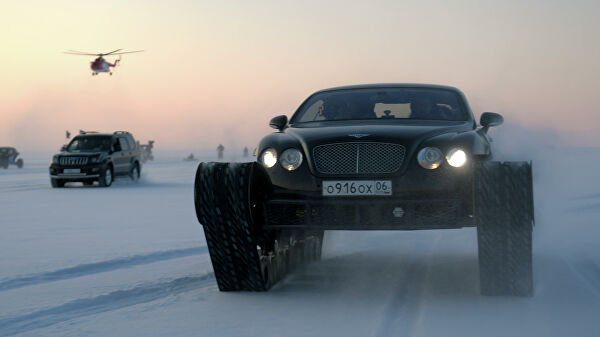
73, 161
358, 158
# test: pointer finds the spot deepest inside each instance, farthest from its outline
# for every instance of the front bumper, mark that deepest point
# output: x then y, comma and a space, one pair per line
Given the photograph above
87, 172
421, 200
367, 214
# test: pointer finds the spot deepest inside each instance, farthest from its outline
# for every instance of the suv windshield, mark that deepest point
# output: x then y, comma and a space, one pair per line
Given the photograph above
382, 103
89, 144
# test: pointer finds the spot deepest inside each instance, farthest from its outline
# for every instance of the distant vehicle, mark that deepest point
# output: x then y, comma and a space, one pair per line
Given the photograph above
100, 65
92, 156
368, 157
8, 156
146, 150
190, 158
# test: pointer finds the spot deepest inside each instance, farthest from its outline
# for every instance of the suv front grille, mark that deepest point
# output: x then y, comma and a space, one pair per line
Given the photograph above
358, 158
73, 161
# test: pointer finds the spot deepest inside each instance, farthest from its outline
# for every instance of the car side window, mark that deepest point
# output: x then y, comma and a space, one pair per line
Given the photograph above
124, 144
117, 146
313, 113
131, 142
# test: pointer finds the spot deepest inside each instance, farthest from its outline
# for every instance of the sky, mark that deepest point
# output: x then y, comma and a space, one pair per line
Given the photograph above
217, 71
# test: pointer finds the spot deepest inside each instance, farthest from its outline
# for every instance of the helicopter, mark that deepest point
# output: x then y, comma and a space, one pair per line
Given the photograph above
100, 65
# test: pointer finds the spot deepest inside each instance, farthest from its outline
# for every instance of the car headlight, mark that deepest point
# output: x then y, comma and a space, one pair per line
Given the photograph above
291, 159
269, 157
95, 159
54, 159
456, 157
430, 158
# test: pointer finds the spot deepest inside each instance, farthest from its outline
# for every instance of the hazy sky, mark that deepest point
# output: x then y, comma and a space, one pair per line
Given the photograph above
217, 71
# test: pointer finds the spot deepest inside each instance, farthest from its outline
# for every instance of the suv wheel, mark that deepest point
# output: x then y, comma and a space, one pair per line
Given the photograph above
57, 183
135, 172
106, 178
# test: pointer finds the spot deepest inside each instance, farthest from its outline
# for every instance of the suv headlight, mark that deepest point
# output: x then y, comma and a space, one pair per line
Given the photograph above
269, 157
430, 158
291, 159
95, 159
54, 159
456, 157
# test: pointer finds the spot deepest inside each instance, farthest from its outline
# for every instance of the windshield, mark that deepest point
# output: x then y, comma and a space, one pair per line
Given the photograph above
382, 103
89, 144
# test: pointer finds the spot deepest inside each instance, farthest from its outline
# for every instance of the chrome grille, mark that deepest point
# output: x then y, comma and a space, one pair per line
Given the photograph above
358, 158
73, 161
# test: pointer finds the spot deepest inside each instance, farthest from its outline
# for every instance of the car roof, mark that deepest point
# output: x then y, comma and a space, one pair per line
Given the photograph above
105, 134
94, 135
391, 85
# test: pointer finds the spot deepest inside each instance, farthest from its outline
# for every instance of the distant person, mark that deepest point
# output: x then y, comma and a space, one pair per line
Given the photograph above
220, 150
245, 152
67, 134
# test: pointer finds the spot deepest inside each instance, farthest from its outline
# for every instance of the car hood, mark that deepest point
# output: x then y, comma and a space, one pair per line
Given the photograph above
80, 154
409, 134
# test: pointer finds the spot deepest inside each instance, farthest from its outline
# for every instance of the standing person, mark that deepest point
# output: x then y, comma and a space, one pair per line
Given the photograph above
220, 150
245, 152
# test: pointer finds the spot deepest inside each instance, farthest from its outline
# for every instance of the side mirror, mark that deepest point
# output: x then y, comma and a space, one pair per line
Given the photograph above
491, 119
278, 122
63, 148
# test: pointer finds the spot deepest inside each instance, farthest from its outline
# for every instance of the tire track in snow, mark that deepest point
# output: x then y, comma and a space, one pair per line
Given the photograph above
98, 267
109, 302
24, 187
402, 311
588, 272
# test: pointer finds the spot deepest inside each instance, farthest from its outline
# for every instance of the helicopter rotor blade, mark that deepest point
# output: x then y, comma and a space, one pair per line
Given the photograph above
114, 51
128, 52
75, 52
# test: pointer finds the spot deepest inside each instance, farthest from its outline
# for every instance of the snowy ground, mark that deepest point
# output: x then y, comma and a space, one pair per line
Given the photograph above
131, 260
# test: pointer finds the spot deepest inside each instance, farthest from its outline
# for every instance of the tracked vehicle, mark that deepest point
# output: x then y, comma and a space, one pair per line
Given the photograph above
368, 157
9, 156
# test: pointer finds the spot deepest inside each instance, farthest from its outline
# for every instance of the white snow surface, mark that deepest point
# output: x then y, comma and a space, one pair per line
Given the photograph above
131, 260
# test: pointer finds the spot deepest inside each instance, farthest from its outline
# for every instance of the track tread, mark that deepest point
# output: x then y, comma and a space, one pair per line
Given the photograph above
222, 206
504, 215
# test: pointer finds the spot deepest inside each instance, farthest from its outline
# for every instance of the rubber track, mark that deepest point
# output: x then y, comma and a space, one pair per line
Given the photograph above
222, 207
504, 216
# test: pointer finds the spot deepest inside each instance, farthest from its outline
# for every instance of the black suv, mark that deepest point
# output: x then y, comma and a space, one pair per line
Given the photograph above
98, 157
368, 157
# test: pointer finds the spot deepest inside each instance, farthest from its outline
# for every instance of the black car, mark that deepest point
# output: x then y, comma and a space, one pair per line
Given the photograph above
98, 157
368, 157
8, 156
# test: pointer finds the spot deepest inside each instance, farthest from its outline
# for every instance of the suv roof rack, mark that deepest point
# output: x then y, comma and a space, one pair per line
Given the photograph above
120, 132
83, 132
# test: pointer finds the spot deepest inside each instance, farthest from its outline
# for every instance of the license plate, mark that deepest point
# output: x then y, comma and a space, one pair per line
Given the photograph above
357, 187
71, 171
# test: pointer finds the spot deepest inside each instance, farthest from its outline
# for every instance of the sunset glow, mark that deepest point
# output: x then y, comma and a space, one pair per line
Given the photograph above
217, 72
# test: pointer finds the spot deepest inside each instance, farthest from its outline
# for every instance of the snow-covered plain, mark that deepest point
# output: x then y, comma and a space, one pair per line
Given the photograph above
131, 260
